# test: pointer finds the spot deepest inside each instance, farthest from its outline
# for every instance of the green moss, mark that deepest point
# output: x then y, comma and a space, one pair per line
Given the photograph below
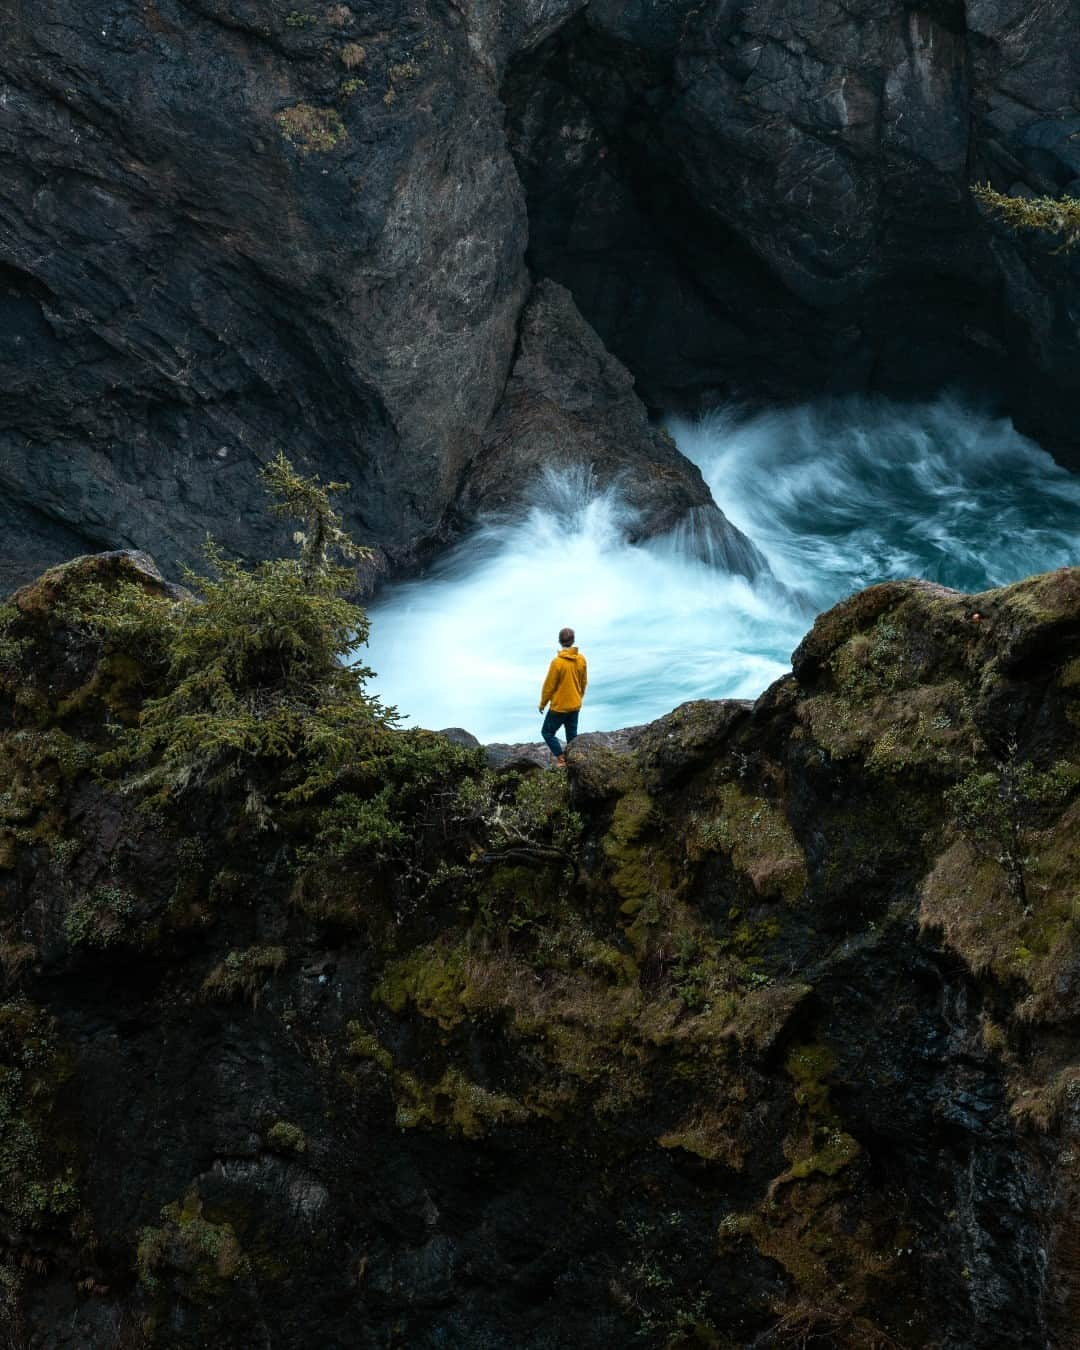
365, 1045
201, 1260
967, 897
37, 1166
311, 130
808, 1066
431, 978
35, 769
832, 1152
1069, 677
286, 1138
455, 1104
717, 1135
758, 839
640, 870
104, 918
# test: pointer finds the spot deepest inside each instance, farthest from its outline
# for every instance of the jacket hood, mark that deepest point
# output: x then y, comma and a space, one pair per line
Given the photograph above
568, 653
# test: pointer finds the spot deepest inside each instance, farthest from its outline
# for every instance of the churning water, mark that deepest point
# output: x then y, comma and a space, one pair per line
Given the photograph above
835, 496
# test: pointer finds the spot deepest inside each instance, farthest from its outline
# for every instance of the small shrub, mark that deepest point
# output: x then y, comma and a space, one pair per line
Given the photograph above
993, 808
259, 699
286, 1138
311, 130
298, 19
412, 775
352, 55
243, 974
102, 919
530, 812
1049, 215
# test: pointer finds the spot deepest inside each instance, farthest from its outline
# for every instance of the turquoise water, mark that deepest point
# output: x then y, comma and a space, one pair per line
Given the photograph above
836, 496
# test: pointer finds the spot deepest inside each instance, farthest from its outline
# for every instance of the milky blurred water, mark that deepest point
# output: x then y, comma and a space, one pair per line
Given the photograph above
835, 495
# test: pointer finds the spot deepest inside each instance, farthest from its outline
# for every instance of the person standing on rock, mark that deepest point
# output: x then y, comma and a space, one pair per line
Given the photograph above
564, 690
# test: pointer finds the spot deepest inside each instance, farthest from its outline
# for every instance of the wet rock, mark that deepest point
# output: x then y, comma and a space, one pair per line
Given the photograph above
570, 422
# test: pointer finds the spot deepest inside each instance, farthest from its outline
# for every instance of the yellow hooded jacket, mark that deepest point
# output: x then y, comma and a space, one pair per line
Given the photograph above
566, 679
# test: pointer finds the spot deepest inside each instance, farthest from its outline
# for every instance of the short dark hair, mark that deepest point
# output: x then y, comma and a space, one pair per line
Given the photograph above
566, 637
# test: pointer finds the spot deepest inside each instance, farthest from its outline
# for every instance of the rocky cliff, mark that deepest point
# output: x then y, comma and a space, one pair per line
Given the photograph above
228, 227
755, 1027
772, 199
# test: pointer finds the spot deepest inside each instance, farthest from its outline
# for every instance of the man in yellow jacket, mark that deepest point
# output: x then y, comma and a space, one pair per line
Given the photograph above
564, 689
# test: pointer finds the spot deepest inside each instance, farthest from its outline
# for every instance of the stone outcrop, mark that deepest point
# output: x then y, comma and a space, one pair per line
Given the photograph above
228, 228
755, 1026
570, 409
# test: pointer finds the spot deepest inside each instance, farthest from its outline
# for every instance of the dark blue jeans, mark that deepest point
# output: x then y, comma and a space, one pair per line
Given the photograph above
552, 722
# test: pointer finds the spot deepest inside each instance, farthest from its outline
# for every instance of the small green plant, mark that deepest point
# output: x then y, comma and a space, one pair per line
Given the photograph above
260, 694
994, 807
12, 649
348, 87
311, 130
286, 1138
204, 1257
1049, 215
243, 974
298, 19
101, 919
531, 812
64, 851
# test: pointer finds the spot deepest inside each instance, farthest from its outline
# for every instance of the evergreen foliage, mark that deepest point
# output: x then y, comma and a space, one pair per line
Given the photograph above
259, 695
1052, 215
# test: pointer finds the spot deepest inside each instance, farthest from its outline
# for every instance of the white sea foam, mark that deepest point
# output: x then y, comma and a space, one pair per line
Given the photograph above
835, 495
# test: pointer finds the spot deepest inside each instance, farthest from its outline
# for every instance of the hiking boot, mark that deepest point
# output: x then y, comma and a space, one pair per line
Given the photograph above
560, 763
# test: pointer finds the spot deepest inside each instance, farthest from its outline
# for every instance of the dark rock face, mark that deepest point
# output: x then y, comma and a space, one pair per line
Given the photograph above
772, 201
732, 1034
229, 228
569, 408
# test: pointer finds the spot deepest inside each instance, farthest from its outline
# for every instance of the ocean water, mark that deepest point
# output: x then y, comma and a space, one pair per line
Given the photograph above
835, 495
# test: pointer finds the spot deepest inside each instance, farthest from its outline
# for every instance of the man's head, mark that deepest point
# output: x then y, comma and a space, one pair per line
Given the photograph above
566, 637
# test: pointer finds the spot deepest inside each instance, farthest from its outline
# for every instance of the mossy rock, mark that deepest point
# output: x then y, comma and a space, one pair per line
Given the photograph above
1033, 615
688, 738
755, 834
